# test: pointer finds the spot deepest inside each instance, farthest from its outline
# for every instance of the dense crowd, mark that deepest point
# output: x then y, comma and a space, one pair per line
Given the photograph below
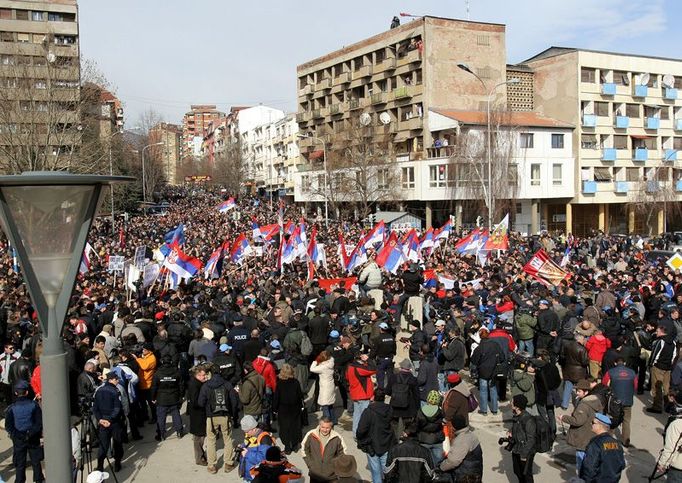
264, 346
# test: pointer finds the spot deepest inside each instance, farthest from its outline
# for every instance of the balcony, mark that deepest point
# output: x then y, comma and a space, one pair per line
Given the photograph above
342, 78
678, 125
305, 142
640, 154
413, 123
403, 92
336, 109
379, 98
354, 104
653, 123
410, 57
307, 90
621, 187
389, 63
608, 89
589, 187
652, 186
320, 113
622, 122
670, 155
640, 91
670, 93
678, 185
324, 84
364, 71
302, 117
589, 120
608, 154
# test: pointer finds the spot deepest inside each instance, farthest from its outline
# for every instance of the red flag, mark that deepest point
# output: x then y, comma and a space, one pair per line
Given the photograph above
121, 238
342, 247
327, 283
544, 270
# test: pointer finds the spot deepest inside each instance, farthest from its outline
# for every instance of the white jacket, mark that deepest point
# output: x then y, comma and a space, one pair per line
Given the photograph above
327, 394
670, 456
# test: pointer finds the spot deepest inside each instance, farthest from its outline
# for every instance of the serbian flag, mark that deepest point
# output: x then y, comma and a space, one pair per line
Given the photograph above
443, 232
315, 253
390, 257
357, 257
410, 245
427, 241
499, 238
85, 261
342, 250
543, 269
226, 206
346, 283
240, 249
289, 227
430, 278
461, 245
567, 257
375, 235
174, 237
214, 264
181, 264
255, 230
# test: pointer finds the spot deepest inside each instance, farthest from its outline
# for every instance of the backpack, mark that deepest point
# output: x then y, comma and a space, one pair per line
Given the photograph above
400, 395
306, 345
219, 402
544, 436
473, 403
614, 409
552, 376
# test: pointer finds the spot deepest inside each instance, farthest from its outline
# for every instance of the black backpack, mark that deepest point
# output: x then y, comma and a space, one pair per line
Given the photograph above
219, 402
614, 409
400, 395
544, 436
552, 376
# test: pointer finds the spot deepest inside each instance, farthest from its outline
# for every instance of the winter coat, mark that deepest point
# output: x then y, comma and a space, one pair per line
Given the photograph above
580, 432
196, 413
427, 376
251, 392
525, 325
147, 366
360, 385
370, 276
167, 386
485, 357
456, 402
597, 347
266, 368
327, 395
455, 355
523, 383
319, 459
523, 434
604, 460
430, 425
404, 377
375, 434
409, 462
574, 361
205, 395
465, 458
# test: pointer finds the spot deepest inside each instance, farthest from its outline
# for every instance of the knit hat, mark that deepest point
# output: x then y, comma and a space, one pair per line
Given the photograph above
520, 401
273, 453
406, 364
453, 378
248, 423
433, 398
603, 418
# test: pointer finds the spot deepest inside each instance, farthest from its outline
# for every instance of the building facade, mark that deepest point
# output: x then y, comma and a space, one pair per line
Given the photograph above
39, 83
171, 137
194, 126
628, 119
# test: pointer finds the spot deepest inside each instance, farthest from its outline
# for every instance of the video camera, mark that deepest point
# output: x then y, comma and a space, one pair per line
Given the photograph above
507, 442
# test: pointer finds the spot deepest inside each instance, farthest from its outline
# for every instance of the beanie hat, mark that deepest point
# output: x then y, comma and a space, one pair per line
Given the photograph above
454, 378
406, 364
433, 398
520, 401
248, 423
603, 418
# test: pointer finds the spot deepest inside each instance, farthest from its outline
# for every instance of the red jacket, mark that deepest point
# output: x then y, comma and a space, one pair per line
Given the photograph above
504, 307
360, 388
36, 383
265, 368
596, 347
503, 333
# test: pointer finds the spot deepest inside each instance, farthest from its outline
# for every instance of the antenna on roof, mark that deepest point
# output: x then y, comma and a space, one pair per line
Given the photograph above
466, 2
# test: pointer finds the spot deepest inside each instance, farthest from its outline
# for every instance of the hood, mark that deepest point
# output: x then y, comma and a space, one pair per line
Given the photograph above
215, 381
593, 401
463, 389
382, 409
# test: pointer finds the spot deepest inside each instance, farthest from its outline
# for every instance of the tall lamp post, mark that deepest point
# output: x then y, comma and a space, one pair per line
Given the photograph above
111, 173
326, 182
47, 216
491, 199
144, 176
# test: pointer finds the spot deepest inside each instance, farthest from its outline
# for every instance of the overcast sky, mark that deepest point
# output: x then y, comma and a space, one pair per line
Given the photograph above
167, 54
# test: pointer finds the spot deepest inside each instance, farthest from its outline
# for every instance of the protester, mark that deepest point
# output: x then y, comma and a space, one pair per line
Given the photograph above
288, 405
321, 446
580, 421
409, 462
197, 414
375, 435
464, 461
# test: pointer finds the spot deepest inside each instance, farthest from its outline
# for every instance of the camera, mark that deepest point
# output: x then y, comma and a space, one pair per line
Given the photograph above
507, 442
85, 404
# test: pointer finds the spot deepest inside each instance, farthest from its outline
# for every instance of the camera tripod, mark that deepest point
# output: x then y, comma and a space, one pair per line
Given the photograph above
88, 432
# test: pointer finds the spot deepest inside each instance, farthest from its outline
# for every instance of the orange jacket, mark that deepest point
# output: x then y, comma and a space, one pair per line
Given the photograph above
147, 369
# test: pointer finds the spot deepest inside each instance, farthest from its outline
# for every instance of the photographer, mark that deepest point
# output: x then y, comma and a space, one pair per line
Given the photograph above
521, 440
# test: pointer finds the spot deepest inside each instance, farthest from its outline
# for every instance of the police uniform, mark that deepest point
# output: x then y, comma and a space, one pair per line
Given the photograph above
24, 423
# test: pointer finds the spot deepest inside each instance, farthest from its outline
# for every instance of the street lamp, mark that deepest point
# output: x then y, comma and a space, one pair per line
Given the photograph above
144, 178
324, 160
491, 199
47, 216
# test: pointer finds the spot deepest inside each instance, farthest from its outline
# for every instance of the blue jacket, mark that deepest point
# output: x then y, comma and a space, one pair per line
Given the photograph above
604, 460
107, 403
622, 381
24, 418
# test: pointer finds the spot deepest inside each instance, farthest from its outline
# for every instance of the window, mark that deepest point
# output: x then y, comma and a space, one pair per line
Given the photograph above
620, 142
407, 177
23, 37
665, 112
557, 141
383, 178
513, 173
7, 59
535, 174
557, 175
632, 174
438, 176
602, 175
5, 14
6, 37
601, 109
587, 74
22, 14
587, 141
621, 78
38, 38
526, 140
482, 40
632, 110
37, 16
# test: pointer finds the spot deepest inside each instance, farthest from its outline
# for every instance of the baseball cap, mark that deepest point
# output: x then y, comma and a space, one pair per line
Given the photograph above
224, 347
97, 476
440, 323
21, 386
112, 375
543, 302
383, 325
334, 334
275, 344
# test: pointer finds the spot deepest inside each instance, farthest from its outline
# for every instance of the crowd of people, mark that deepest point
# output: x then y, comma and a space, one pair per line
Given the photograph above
265, 348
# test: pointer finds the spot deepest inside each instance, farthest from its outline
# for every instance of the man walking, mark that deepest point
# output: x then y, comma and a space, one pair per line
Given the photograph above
108, 412
24, 424
359, 375
663, 353
523, 438
375, 435
623, 382
604, 460
320, 447
580, 432
167, 391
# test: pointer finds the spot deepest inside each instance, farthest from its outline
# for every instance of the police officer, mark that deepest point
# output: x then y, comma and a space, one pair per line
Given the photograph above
108, 412
237, 337
228, 365
166, 392
604, 459
383, 351
24, 423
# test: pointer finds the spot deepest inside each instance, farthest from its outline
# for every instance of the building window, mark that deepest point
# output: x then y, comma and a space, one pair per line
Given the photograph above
557, 178
438, 176
621, 78
587, 141
22, 14
602, 175
37, 16
23, 37
557, 141
6, 37
38, 38
587, 74
382, 178
632, 110
407, 177
526, 140
513, 174
40, 84
5, 14
601, 109
482, 40
665, 113
677, 143
620, 142
631, 174
535, 174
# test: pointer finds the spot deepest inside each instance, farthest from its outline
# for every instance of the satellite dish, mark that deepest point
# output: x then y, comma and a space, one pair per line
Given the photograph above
644, 79
365, 119
385, 118
51, 57
669, 81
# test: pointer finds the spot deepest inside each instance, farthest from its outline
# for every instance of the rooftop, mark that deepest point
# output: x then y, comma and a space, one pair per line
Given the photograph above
554, 51
511, 118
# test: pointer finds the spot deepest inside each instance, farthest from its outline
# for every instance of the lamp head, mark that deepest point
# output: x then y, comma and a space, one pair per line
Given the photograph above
465, 68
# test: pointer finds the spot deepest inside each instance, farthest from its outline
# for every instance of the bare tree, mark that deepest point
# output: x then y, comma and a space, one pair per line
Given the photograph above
651, 194
229, 169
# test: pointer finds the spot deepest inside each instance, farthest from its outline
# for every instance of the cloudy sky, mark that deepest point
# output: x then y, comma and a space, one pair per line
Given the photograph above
166, 54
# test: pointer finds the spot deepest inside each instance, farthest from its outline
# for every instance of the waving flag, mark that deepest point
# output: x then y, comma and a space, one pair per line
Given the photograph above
181, 264
499, 238
300, 241
427, 241
443, 232
226, 206
175, 237
289, 227
390, 257
543, 269
567, 257
430, 278
315, 253
410, 245
375, 235
461, 245
214, 264
240, 249
357, 257
85, 261
255, 230
342, 250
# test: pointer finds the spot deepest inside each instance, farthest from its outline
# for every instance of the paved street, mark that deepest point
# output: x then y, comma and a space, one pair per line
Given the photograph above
147, 461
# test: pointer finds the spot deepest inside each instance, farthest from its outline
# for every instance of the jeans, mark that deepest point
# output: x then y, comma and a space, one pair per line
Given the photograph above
527, 346
358, 408
568, 392
486, 386
383, 366
579, 457
161, 413
32, 448
377, 463
328, 412
441, 383
436, 452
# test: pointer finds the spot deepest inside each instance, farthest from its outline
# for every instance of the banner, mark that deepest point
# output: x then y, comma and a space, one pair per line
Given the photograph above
140, 255
151, 271
545, 270
347, 283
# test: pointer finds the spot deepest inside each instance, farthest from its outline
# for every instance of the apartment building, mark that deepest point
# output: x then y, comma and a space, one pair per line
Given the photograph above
39, 82
194, 126
171, 137
628, 119
106, 110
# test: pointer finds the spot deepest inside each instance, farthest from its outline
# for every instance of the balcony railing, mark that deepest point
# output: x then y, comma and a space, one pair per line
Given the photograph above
364, 71
307, 90
653, 123
589, 120
302, 117
320, 113
589, 187
389, 63
678, 125
342, 78
608, 89
670, 93
354, 104
640, 91
379, 98
403, 92
640, 154
670, 155
622, 122
608, 154
413, 123
335, 109
409, 57
621, 187
323, 84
